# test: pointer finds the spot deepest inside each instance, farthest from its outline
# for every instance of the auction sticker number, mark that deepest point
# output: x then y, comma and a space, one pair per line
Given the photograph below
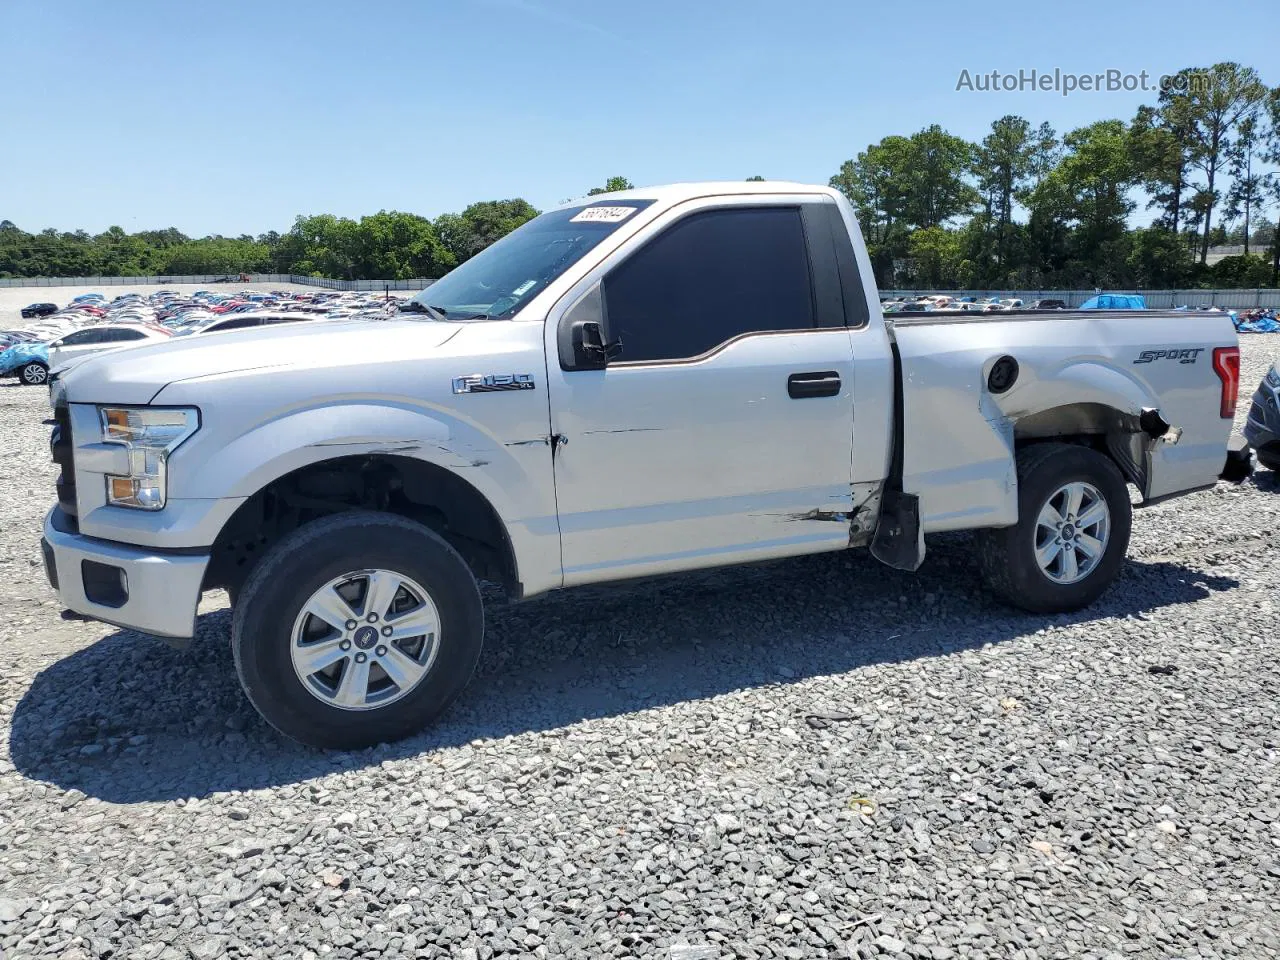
603, 214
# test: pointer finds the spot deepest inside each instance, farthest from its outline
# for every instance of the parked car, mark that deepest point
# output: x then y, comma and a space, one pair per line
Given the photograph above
1262, 429
1115, 301
9, 337
243, 321
1048, 304
107, 336
348, 483
29, 362
38, 310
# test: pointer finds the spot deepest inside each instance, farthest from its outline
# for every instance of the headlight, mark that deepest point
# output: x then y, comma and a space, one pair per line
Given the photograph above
1273, 378
150, 434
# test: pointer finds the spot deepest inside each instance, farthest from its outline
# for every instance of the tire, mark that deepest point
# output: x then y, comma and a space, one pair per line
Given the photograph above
1007, 557
1269, 456
269, 627
34, 374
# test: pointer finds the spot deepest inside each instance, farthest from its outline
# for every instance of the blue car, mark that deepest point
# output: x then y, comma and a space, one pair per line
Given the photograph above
29, 362
1115, 301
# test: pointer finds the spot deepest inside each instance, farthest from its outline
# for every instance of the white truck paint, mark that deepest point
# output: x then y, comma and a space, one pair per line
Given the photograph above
545, 472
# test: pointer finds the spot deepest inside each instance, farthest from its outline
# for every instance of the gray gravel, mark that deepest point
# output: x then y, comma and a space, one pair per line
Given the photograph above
812, 758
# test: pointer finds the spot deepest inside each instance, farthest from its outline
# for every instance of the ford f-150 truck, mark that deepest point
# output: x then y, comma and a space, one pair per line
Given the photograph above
636, 384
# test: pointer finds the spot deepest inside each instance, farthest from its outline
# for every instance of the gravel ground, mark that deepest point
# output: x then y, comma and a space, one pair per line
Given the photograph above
810, 758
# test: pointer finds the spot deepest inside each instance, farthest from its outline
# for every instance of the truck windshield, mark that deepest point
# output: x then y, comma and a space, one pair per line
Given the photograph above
504, 276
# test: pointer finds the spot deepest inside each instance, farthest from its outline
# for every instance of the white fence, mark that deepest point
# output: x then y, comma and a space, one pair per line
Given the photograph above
378, 285
1155, 299
219, 279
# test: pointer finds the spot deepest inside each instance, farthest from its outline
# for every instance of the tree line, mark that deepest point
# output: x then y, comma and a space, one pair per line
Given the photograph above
1025, 207
388, 245
385, 245
1028, 208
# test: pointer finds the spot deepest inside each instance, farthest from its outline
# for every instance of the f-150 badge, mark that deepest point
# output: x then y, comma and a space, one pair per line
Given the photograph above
492, 382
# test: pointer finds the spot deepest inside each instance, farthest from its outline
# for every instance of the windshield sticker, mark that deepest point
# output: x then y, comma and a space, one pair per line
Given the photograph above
603, 214
524, 288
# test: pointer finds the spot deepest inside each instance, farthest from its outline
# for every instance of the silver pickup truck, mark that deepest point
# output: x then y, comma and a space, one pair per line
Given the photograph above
642, 383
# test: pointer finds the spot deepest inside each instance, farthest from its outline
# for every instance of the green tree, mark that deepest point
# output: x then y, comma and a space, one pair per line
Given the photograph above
399, 246
875, 184
1079, 211
1246, 193
902, 183
1271, 183
612, 185
936, 188
215, 255
466, 234
1207, 114
1003, 167
1159, 259
936, 255
1161, 158
1242, 271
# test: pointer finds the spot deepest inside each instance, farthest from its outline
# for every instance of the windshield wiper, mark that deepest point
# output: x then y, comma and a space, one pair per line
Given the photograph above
417, 306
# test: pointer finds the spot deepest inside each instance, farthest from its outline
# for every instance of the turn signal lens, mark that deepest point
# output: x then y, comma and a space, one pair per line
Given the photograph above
122, 489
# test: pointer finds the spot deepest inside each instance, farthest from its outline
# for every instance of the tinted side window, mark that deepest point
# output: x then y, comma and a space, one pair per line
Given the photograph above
127, 334
82, 337
708, 278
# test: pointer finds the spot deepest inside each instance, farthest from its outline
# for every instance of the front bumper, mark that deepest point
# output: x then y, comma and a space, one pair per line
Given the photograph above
150, 591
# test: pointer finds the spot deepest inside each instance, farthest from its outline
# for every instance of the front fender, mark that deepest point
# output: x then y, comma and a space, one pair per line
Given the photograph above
214, 465
225, 460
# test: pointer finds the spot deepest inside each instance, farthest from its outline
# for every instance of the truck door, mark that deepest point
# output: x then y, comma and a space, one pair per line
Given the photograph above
722, 429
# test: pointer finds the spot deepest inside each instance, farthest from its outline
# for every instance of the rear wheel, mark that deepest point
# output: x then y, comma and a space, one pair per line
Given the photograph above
1074, 519
356, 629
34, 374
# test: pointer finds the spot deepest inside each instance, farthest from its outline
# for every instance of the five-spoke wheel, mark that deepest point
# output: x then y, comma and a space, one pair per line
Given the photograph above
356, 629
1073, 525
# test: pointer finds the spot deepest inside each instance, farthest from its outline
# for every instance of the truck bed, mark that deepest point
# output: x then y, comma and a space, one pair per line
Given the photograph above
1091, 371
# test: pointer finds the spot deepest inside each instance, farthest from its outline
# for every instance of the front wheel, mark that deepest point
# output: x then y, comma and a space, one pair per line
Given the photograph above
1074, 518
356, 629
34, 374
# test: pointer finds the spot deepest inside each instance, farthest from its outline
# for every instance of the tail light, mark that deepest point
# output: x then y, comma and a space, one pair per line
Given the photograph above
1226, 364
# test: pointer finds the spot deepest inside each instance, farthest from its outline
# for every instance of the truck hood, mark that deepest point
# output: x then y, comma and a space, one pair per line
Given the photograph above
135, 375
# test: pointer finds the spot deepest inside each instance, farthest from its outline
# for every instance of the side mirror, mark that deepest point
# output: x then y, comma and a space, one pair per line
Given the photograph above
583, 339
590, 349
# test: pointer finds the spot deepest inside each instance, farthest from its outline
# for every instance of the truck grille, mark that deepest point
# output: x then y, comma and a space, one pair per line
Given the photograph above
60, 450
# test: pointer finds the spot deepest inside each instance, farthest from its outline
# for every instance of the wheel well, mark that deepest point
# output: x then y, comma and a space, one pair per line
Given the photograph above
1109, 431
410, 488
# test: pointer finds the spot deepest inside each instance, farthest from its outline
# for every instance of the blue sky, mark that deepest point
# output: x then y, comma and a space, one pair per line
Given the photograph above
235, 116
